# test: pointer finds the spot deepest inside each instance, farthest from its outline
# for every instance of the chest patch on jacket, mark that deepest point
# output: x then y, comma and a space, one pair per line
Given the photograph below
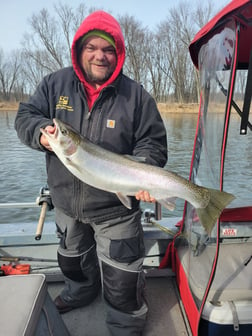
110, 123
63, 104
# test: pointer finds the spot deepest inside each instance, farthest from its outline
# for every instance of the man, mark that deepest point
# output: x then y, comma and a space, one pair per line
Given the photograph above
100, 238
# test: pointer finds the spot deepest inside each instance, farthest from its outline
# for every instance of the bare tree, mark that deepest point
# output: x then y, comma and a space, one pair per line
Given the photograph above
159, 81
70, 20
160, 60
136, 45
9, 70
47, 47
44, 43
177, 31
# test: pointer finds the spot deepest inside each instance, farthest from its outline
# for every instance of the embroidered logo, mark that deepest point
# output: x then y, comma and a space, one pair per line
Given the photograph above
110, 123
63, 104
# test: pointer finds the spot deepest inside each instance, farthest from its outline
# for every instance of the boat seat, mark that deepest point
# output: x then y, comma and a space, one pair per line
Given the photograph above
27, 309
232, 282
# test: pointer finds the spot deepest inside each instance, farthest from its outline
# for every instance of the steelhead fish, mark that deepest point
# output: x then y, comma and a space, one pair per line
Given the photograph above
125, 176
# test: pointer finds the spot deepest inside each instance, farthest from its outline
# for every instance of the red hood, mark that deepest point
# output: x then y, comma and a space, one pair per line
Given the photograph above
102, 21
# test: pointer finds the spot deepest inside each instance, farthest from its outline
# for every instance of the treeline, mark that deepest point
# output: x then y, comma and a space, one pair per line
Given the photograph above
158, 59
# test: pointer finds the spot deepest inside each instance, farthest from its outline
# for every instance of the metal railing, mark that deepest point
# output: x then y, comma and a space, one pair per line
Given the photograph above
44, 200
18, 205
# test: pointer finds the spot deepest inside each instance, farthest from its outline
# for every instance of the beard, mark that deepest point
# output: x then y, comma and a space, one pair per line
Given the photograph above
100, 78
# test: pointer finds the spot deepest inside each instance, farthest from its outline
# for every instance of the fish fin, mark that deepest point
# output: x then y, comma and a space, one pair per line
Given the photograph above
136, 158
217, 202
168, 203
126, 201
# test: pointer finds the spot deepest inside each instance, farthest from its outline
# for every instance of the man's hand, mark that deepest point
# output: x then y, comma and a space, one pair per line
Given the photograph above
144, 196
43, 141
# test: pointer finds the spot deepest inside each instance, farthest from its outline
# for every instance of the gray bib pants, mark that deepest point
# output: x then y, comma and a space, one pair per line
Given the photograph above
109, 253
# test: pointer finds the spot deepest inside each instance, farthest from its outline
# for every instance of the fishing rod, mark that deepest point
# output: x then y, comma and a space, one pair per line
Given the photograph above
25, 258
45, 201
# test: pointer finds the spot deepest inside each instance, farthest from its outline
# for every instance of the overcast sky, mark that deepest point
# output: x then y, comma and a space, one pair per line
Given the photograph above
15, 14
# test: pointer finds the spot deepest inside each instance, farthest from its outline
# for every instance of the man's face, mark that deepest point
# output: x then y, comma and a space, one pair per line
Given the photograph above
98, 60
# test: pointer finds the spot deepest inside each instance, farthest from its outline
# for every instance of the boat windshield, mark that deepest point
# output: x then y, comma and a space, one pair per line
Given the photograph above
215, 70
222, 52
215, 59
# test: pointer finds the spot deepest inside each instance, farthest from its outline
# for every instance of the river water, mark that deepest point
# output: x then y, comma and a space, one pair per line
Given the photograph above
23, 173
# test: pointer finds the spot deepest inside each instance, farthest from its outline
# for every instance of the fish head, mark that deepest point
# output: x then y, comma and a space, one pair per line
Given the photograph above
63, 139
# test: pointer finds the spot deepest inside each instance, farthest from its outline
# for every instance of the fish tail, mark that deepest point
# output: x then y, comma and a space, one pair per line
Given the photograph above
209, 215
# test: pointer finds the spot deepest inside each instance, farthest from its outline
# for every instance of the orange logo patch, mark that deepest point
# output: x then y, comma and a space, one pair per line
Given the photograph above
110, 123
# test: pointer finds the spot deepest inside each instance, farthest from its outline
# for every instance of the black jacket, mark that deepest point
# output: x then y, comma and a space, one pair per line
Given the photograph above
124, 119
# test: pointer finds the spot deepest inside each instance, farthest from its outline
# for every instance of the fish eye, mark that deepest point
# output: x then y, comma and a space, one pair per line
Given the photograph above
64, 131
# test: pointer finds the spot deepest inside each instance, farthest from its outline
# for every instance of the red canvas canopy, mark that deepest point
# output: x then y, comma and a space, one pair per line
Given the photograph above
212, 148
241, 10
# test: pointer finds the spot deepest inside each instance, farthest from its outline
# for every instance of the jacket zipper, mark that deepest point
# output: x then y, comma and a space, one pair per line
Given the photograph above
92, 131
95, 118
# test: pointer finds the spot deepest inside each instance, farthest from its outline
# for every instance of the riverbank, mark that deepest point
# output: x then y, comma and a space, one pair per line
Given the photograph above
178, 108
8, 106
163, 107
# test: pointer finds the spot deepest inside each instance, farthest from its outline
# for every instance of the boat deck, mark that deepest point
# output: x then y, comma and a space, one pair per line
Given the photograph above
165, 315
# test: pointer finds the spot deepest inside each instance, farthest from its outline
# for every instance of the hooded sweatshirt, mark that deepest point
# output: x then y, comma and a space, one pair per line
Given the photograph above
103, 21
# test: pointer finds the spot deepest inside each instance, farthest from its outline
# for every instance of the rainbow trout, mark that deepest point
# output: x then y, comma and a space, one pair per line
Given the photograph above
124, 176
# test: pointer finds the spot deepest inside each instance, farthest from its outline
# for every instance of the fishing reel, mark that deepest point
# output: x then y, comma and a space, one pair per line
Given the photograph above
148, 214
45, 196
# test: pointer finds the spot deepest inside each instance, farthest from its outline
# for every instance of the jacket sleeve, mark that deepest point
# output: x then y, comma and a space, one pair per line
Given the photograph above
32, 116
150, 133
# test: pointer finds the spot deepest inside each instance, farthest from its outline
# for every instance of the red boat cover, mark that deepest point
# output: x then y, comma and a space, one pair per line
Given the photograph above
239, 9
